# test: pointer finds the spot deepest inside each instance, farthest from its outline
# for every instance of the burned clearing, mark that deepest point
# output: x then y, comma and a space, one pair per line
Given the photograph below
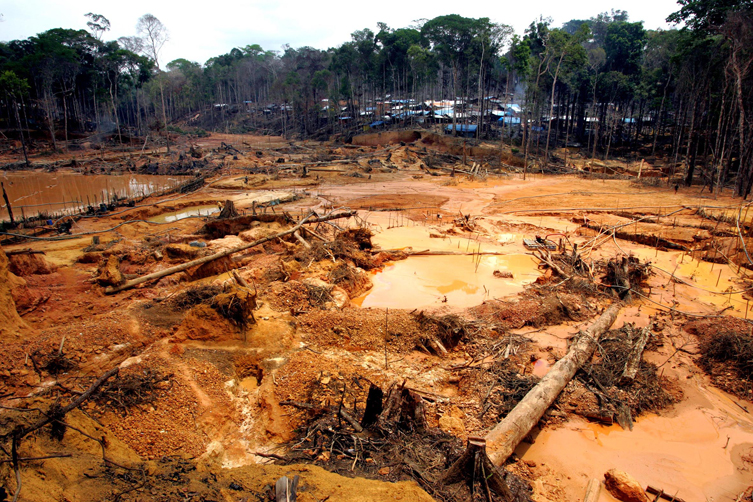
379, 319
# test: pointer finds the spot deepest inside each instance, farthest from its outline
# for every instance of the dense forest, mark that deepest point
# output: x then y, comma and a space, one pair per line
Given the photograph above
605, 84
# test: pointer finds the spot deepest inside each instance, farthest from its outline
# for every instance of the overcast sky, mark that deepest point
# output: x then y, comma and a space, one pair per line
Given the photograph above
201, 30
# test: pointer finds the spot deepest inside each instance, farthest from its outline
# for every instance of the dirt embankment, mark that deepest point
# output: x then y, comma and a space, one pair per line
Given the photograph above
12, 327
438, 142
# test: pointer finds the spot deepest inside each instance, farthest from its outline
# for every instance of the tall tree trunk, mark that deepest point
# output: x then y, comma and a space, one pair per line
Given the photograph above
164, 114
21, 133
691, 166
551, 110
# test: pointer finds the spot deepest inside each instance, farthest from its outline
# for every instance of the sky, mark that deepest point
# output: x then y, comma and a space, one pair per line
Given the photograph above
202, 30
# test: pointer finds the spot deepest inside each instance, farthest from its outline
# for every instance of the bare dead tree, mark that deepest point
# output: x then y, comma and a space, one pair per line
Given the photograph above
154, 35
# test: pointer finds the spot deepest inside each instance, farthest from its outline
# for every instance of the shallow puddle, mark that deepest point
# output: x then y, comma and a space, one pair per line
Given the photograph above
712, 284
541, 367
695, 454
426, 281
186, 213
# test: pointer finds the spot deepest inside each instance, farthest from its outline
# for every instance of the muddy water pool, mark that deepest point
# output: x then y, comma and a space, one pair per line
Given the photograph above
461, 279
426, 281
31, 192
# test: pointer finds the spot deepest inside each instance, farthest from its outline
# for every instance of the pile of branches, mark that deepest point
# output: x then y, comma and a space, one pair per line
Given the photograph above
132, 389
392, 442
195, 296
443, 332
569, 266
352, 245
726, 350
54, 363
621, 397
236, 305
507, 389
344, 276
318, 295
621, 275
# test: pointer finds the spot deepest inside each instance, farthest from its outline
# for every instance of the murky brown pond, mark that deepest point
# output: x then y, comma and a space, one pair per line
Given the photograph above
34, 192
458, 280
426, 281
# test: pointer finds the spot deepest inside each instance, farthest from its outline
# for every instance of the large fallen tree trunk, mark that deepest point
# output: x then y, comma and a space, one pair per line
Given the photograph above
206, 259
505, 437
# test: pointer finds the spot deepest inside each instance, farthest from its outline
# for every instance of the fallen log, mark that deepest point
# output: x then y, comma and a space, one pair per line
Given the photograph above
505, 437
222, 254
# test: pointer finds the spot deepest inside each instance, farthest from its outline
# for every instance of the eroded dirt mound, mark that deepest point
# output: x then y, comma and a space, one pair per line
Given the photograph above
532, 310
11, 324
205, 323
361, 329
29, 264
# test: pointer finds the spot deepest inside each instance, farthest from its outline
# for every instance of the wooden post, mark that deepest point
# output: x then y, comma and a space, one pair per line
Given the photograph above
7, 204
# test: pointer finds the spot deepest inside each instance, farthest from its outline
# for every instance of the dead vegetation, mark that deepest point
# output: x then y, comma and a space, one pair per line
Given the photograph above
394, 444
621, 398
132, 389
726, 353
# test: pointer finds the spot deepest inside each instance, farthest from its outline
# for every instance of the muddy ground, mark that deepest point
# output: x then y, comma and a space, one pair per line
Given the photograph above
233, 373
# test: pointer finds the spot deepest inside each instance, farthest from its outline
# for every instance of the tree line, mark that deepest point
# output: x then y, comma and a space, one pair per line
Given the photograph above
605, 84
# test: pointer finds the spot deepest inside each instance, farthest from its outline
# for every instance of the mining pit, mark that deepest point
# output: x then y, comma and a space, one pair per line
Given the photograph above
367, 323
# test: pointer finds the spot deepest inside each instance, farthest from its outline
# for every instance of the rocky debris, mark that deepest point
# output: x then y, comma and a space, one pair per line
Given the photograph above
452, 422
182, 251
30, 264
109, 272
624, 487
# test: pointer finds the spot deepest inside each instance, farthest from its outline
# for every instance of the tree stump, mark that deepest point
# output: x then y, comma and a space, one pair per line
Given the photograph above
475, 465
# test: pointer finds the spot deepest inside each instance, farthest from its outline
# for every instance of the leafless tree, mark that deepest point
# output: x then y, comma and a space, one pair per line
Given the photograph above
133, 44
154, 35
